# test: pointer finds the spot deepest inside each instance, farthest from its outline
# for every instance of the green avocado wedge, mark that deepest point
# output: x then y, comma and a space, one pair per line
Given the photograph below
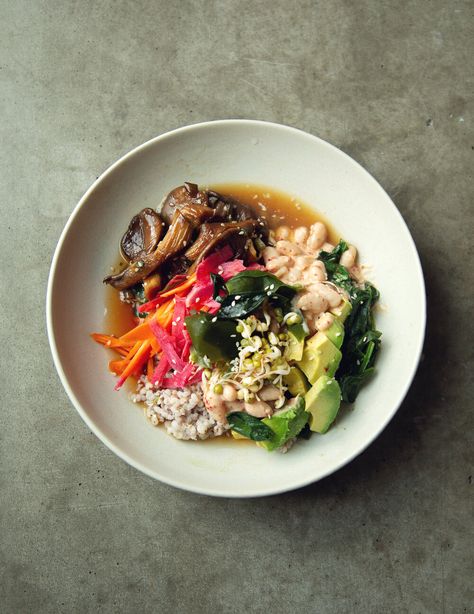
342, 311
296, 382
322, 403
335, 333
320, 357
285, 424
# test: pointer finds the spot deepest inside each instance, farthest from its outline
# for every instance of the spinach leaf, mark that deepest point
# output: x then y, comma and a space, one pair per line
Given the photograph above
361, 339
337, 273
216, 339
361, 342
248, 426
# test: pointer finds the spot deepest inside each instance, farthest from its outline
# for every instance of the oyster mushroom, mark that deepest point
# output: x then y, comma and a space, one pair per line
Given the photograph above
211, 235
142, 235
180, 197
185, 221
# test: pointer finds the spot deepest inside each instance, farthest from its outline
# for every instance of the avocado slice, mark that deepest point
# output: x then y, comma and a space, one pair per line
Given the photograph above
295, 347
322, 403
286, 423
342, 311
296, 382
335, 333
320, 357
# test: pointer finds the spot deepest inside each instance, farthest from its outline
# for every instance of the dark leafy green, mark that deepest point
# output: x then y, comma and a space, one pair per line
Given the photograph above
361, 342
138, 292
213, 338
249, 427
219, 285
248, 290
337, 273
361, 339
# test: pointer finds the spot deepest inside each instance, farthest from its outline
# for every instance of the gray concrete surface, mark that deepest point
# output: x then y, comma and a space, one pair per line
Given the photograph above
391, 83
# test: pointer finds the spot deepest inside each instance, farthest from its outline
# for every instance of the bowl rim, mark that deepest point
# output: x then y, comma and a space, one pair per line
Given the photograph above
298, 483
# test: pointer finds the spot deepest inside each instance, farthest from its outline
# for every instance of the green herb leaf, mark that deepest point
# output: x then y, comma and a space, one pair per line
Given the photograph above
249, 427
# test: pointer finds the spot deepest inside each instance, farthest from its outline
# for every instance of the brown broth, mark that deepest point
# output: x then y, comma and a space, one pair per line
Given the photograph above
276, 207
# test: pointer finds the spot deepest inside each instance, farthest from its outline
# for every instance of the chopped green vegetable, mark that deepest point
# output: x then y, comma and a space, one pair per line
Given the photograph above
249, 427
212, 338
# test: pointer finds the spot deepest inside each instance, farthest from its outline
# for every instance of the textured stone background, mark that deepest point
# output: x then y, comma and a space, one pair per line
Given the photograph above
391, 83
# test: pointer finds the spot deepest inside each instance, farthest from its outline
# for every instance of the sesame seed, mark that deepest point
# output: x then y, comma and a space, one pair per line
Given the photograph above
178, 318
173, 323
214, 319
197, 299
237, 297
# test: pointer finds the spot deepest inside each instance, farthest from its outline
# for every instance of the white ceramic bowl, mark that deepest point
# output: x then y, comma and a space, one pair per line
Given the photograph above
237, 151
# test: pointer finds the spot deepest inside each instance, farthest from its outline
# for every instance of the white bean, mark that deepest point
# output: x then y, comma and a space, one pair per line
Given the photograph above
348, 257
281, 272
301, 234
234, 406
324, 321
229, 393
282, 232
327, 247
269, 393
317, 236
295, 274
303, 262
258, 409
276, 263
269, 253
311, 301
288, 248
316, 272
331, 295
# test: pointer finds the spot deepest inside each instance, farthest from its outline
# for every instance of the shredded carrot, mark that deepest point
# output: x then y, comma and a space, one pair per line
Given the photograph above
139, 333
109, 341
149, 368
137, 361
184, 286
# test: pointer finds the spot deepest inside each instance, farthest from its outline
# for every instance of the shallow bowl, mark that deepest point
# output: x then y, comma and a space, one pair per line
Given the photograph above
233, 151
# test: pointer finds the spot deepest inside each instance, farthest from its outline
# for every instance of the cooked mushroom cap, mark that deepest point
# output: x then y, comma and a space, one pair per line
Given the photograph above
142, 235
177, 238
212, 235
179, 197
